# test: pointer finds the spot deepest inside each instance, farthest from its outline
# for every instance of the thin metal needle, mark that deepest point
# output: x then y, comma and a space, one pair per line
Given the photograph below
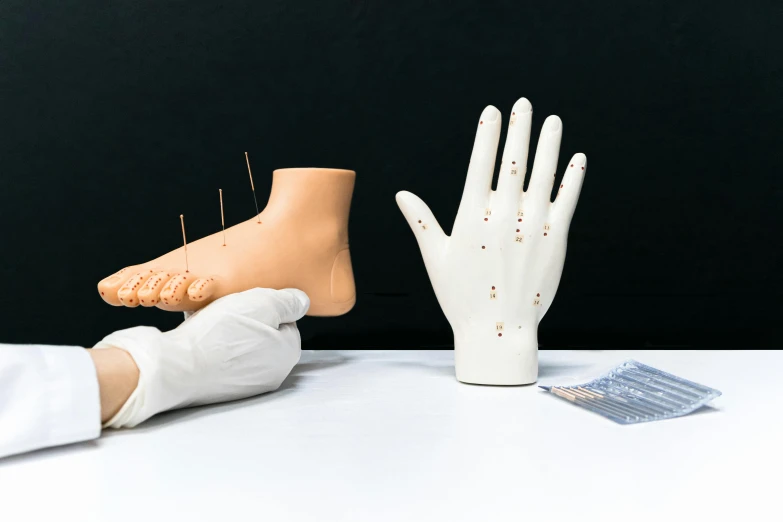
610, 406
594, 397
184, 242
573, 398
247, 160
222, 218
640, 402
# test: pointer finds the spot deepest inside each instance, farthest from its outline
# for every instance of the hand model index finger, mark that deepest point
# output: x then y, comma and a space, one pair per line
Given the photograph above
482, 160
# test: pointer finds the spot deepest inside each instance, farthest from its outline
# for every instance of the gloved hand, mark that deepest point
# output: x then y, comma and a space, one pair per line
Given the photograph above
238, 346
498, 272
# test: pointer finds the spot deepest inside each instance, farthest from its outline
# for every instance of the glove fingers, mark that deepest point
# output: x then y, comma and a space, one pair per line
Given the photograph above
268, 306
293, 305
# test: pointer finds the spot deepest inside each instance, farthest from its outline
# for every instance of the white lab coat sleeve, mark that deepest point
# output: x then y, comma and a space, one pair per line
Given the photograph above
49, 396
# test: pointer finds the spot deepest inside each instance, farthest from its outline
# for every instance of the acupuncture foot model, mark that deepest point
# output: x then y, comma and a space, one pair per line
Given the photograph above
300, 240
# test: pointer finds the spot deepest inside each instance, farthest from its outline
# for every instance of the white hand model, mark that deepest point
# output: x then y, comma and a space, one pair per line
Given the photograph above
238, 346
496, 275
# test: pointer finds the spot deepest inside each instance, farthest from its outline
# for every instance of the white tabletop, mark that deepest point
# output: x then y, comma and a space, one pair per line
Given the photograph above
391, 435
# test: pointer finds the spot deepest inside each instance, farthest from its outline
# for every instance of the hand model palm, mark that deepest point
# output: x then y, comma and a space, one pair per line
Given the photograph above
496, 275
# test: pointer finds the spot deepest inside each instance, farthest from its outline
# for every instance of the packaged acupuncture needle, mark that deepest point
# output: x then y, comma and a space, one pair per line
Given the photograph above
634, 392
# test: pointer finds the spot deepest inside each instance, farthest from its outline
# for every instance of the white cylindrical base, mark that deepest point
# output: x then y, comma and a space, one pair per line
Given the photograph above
487, 358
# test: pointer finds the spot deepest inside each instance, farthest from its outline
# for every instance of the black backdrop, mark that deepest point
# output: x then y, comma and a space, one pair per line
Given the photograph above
115, 117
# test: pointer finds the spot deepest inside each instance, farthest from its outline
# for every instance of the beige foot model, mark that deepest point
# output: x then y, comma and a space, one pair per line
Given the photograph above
300, 242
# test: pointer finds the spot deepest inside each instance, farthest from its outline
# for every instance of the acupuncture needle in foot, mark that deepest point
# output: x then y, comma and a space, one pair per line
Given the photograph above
184, 242
222, 217
247, 160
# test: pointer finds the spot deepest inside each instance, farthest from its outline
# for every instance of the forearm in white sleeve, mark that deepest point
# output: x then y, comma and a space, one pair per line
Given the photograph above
49, 396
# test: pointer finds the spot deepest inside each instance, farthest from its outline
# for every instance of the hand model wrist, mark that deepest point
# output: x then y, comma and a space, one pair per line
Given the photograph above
487, 355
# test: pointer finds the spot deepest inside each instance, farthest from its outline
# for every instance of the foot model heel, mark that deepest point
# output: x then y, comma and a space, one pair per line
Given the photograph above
342, 290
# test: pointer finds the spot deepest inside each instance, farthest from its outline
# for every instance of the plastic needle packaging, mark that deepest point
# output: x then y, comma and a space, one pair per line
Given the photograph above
634, 392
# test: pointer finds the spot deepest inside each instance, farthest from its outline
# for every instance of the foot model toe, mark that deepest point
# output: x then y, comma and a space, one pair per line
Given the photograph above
174, 293
128, 292
109, 286
202, 289
149, 293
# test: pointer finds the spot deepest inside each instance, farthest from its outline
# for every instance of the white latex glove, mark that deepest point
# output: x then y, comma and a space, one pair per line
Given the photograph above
238, 346
497, 274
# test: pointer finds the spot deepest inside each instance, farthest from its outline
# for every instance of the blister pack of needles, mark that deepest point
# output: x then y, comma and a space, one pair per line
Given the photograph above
634, 392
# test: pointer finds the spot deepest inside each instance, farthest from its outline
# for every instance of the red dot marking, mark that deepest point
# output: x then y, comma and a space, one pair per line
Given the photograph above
420, 221
493, 288
102, 293
538, 295
483, 247
513, 162
200, 296
517, 230
486, 219
513, 113
500, 335
583, 168
544, 233
572, 164
520, 220
142, 300
561, 186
